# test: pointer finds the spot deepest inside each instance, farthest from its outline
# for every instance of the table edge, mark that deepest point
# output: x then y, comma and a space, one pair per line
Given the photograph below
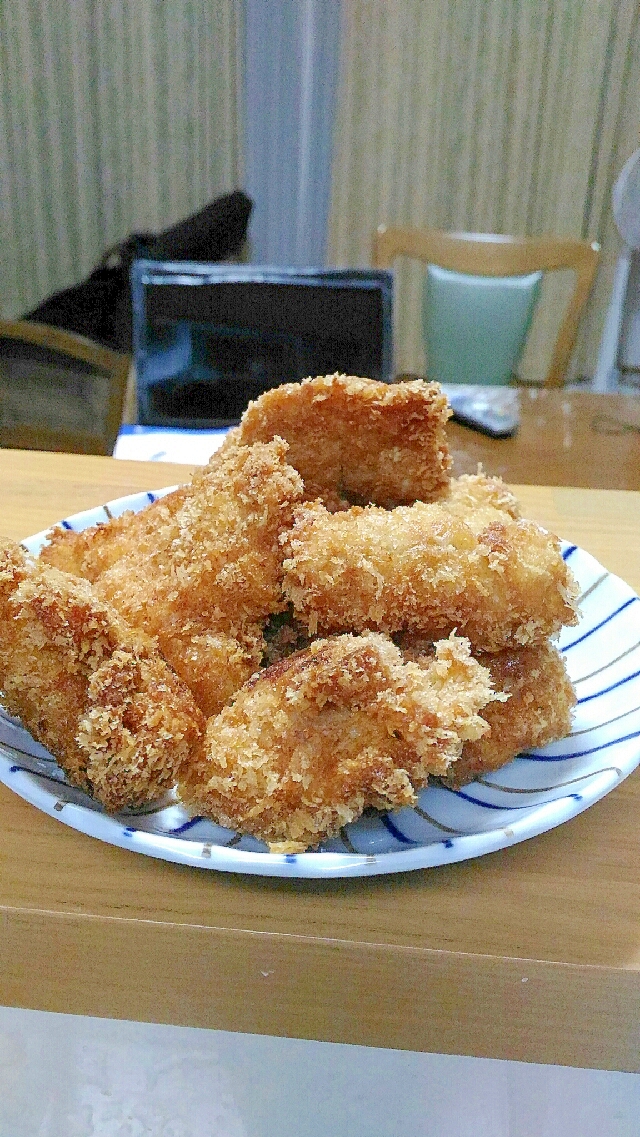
398, 997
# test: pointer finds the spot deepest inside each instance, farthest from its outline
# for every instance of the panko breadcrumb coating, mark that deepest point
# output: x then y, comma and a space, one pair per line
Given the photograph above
92, 551
479, 499
208, 577
313, 740
90, 689
538, 710
421, 568
357, 439
470, 494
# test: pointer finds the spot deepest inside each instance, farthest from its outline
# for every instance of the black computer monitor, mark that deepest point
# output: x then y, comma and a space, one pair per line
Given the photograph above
207, 338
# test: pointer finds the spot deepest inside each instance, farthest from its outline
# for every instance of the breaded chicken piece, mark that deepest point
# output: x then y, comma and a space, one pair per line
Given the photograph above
479, 500
214, 664
217, 662
421, 568
206, 579
313, 740
538, 710
357, 439
90, 689
92, 551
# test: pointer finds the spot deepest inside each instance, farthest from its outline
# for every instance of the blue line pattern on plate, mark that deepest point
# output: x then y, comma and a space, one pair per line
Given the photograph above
394, 831
611, 687
581, 753
186, 825
484, 781
606, 666
485, 804
606, 620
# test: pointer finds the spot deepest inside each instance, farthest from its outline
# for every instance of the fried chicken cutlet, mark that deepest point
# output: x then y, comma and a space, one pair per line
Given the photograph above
357, 439
471, 493
89, 688
421, 568
538, 710
90, 552
210, 574
479, 499
313, 740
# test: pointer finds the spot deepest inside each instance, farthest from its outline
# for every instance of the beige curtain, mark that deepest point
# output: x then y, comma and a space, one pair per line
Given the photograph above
115, 116
485, 115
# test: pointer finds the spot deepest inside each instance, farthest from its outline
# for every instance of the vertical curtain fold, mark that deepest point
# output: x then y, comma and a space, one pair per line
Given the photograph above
291, 73
115, 116
485, 115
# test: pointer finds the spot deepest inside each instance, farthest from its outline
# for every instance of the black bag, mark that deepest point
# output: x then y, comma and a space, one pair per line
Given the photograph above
100, 306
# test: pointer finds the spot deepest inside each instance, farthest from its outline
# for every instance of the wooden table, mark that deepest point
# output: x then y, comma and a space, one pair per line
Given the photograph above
566, 438
532, 953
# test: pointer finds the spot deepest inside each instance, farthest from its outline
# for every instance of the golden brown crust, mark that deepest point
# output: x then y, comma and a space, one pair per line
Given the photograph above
479, 500
344, 723
199, 570
214, 665
89, 688
424, 569
313, 740
92, 551
538, 710
206, 579
217, 562
357, 439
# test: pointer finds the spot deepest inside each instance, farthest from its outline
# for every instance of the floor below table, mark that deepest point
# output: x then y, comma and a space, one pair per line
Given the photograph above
64, 1074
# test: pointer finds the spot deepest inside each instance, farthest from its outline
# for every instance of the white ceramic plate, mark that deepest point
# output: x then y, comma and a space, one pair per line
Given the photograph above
536, 792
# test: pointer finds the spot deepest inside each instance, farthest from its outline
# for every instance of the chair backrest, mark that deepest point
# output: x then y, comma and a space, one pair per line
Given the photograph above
475, 327
58, 390
497, 257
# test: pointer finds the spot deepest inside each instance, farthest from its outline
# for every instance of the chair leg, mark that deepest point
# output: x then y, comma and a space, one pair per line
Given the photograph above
130, 408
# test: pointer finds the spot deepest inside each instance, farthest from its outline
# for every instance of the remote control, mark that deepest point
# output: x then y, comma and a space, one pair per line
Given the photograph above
494, 411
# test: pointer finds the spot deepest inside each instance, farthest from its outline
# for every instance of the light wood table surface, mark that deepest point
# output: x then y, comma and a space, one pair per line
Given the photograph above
566, 438
531, 953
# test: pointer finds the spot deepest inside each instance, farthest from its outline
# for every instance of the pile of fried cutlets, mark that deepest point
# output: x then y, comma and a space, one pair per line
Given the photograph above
321, 621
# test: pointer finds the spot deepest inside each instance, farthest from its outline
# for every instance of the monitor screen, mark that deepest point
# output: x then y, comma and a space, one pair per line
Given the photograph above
208, 338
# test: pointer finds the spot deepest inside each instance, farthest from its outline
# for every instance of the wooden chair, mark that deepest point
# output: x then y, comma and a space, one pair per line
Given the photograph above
493, 255
58, 390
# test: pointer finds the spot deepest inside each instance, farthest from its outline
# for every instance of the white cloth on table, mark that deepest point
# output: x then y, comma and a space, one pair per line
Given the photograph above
168, 444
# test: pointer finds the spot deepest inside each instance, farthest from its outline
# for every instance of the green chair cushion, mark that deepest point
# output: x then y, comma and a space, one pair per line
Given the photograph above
475, 327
